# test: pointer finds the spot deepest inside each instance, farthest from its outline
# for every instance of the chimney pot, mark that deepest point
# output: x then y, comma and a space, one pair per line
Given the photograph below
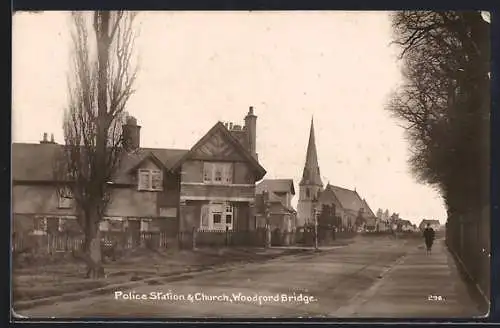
230, 125
131, 134
131, 121
250, 110
52, 138
45, 136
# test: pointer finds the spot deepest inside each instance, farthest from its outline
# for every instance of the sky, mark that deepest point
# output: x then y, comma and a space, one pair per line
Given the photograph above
197, 68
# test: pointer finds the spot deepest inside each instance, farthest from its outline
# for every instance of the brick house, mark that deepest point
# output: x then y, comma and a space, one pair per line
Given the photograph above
210, 186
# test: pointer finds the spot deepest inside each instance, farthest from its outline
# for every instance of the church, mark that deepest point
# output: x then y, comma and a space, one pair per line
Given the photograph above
347, 204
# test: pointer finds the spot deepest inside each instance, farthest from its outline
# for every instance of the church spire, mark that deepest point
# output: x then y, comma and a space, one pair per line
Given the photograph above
311, 175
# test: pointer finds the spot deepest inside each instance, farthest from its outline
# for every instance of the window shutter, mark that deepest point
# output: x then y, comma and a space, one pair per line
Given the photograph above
157, 182
144, 182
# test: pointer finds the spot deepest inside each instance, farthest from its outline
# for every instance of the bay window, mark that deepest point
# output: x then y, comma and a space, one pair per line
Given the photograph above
217, 216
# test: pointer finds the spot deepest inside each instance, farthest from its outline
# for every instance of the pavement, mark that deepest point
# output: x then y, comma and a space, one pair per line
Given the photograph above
373, 277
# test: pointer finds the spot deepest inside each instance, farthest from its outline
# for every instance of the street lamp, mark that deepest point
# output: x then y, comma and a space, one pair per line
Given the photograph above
316, 224
265, 197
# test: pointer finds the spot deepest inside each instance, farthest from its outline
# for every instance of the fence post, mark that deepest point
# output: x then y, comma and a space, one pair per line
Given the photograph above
194, 238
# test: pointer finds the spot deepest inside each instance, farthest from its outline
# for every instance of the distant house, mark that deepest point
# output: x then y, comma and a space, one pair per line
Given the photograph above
282, 215
405, 225
435, 224
210, 186
383, 225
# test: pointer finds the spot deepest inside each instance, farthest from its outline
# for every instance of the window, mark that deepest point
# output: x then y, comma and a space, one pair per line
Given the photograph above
39, 224
151, 180
218, 173
217, 216
65, 198
308, 193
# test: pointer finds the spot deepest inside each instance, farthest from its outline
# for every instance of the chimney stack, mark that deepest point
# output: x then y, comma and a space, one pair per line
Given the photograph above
131, 134
52, 138
44, 139
251, 131
230, 125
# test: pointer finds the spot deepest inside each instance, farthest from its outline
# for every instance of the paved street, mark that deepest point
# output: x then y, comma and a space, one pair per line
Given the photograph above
372, 277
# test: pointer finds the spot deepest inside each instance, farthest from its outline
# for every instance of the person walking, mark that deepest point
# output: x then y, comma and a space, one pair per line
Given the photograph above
429, 238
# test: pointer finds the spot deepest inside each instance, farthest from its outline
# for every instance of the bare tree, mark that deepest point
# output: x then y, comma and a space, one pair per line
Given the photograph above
100, 84
443, 102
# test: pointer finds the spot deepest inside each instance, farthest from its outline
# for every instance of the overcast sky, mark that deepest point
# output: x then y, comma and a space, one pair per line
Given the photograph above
201, 67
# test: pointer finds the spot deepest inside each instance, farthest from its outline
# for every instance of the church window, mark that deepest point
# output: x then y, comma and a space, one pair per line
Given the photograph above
308, 193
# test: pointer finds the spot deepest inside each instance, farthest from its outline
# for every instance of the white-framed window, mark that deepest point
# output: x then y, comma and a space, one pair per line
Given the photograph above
217, 216
39, 225
66, 222
65, 198
150, 180
221, 173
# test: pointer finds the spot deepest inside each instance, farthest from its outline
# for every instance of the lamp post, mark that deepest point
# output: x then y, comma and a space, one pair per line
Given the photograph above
316, 229
265, 195
316, 212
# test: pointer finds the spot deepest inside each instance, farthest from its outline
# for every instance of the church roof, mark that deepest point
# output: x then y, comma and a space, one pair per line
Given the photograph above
311, 175
348, 199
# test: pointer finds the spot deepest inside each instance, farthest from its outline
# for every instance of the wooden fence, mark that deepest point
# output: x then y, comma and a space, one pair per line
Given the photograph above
63, 242
60, 242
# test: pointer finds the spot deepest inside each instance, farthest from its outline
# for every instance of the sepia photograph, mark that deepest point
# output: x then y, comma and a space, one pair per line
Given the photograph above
250, 164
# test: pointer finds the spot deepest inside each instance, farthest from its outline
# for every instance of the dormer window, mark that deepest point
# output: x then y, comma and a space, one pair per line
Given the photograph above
150, 180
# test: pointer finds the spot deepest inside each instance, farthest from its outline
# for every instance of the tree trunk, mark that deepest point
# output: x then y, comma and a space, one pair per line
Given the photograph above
93, 254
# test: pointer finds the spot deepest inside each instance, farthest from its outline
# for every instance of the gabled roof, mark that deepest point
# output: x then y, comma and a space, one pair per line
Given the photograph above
148, 156
35, 162
368, 210
425, 221
405, 222
349, 199
273, 199
275, 185
219, 127
327, 196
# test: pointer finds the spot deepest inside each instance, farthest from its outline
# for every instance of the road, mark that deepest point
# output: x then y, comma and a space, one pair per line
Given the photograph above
374, 277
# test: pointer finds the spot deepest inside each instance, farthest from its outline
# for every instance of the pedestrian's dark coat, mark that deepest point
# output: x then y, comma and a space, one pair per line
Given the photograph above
429, 235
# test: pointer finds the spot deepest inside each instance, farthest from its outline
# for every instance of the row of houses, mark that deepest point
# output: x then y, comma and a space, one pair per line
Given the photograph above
214, 185
210, 186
